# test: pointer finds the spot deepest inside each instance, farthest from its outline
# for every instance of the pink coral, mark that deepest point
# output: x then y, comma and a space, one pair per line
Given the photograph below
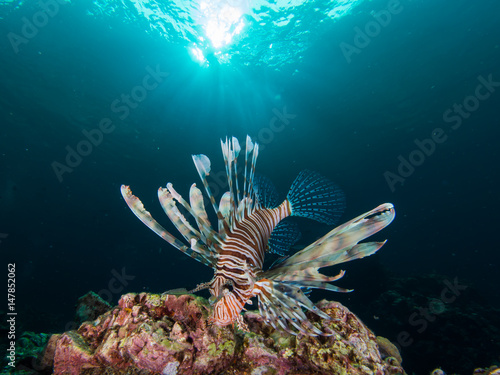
153, 334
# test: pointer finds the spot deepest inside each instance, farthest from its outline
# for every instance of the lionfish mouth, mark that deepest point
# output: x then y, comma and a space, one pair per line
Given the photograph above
384, 213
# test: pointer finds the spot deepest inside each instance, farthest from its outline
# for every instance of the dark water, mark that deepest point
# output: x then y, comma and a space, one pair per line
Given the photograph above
353, 90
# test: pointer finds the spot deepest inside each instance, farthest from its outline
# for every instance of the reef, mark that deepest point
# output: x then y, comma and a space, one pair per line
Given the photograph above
90, 306
167, 334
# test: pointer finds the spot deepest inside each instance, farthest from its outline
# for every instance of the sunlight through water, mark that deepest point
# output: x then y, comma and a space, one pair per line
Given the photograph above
222, 31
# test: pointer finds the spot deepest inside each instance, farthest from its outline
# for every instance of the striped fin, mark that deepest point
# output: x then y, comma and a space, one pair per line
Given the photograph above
225, 206
266, 192
202, 164
248, 152
282, 306
311, 278
138, 209
284, 236
236, 150
229, 156
341, 244
176, 217
240, 203
338, 246
251, 192
315, 197
200, 215
281, 298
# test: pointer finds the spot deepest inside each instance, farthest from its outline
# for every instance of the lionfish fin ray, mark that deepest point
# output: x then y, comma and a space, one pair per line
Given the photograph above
236, 150
202, 164
336, 247
201, 217
138, 209
225, 205
266, 192
167, 202
341, 244
283, 306
228, 155
248, 152
315, 197
284, 236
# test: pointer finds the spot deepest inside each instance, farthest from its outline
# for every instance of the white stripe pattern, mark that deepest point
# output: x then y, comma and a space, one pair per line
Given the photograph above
241, 260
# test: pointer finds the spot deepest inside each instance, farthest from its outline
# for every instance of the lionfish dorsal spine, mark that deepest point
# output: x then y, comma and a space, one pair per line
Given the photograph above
202, 164
237, 149
201, 217
239, 203
225, 206
251, 192
248, 150
229, 156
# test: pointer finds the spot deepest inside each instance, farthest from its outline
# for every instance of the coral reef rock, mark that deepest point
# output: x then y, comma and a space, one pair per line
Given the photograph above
167, 334
90, 306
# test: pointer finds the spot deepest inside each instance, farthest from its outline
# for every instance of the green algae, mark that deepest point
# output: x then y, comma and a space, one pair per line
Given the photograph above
226, 348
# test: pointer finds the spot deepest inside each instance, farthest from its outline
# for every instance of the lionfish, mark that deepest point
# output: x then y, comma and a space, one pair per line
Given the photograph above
251, 225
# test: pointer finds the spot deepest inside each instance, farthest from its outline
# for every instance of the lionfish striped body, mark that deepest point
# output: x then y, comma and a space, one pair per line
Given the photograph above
241, 259
250, 225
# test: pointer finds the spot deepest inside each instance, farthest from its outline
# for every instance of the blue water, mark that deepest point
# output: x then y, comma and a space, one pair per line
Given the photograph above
352, 89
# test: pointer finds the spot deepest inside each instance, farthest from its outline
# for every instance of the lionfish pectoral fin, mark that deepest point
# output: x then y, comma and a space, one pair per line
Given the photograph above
200, 215
283, 305
167, 202
341, 244
300, 271
138, 209
284, 236
310, 278
315, 197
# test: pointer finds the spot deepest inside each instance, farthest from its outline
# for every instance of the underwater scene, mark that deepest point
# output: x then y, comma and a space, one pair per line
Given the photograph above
250, 187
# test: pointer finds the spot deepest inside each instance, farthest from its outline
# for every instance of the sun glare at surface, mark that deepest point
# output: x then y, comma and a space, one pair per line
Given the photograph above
223, 31
221, 21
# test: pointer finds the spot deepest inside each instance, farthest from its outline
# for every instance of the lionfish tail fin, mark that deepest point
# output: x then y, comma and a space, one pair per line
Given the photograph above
315, 197
283, 306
